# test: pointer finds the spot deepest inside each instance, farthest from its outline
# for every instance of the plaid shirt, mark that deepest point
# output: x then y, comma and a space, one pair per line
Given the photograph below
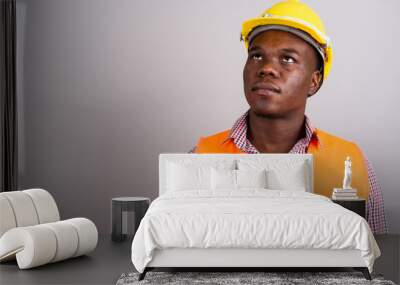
375, 209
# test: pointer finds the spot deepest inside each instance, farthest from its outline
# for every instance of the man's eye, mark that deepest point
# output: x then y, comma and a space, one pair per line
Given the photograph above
256, 56
288, 59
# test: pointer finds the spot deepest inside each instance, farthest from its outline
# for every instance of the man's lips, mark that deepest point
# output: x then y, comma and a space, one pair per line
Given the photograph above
265, 88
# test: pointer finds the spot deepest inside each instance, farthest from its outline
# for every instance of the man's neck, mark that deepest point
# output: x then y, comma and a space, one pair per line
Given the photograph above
275, 135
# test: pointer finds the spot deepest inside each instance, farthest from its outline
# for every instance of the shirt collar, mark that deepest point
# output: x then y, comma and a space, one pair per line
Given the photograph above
239, 130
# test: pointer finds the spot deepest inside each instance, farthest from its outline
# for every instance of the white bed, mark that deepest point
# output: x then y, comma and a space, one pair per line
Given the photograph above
248, 226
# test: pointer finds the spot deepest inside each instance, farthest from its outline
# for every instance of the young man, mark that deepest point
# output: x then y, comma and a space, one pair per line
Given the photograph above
289, 56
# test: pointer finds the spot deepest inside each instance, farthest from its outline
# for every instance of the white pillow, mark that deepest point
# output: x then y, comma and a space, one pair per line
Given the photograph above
187, 173
184, 177
292, 177
236, 179
223, 179
282, 174
251, 178
220, 163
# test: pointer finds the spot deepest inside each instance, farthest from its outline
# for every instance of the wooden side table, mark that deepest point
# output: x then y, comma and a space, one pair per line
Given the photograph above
138, 205
357, 206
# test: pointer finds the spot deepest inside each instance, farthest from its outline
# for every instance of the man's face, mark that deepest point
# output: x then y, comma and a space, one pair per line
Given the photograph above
279, 74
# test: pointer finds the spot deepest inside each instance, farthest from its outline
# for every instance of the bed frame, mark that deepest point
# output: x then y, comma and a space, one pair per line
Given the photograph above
244, 259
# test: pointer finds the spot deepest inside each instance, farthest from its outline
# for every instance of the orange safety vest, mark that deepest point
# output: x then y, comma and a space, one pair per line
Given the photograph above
329, 154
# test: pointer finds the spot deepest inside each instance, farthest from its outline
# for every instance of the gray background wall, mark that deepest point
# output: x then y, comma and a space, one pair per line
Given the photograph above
105, 86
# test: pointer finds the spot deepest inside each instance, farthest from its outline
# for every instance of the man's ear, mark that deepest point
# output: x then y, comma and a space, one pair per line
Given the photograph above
316, 80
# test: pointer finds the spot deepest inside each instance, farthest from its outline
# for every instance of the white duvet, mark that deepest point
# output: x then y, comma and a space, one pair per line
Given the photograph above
250, 218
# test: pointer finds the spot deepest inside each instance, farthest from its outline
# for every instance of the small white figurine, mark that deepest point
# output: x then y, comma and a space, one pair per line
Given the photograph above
347, 174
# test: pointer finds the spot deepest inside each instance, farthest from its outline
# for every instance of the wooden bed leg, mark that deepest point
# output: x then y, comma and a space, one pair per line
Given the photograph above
364, 271
143, 274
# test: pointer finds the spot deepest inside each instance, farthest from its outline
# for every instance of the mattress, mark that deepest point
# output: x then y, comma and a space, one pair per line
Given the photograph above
250, 218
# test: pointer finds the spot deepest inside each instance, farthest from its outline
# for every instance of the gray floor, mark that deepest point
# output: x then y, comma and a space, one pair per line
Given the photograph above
111, 259
389, 262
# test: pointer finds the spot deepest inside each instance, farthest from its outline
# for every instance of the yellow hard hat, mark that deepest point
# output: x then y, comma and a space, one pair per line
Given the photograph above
297, 18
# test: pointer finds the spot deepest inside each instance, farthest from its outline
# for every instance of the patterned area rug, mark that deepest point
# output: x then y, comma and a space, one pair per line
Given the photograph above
225, 278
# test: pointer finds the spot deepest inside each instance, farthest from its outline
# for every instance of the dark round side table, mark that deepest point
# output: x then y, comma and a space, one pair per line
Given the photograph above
138, 205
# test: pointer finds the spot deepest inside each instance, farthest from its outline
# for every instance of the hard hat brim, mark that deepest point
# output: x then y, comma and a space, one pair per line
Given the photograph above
249, 25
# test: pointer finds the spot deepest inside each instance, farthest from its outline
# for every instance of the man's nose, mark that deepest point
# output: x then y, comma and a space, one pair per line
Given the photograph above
268, 68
